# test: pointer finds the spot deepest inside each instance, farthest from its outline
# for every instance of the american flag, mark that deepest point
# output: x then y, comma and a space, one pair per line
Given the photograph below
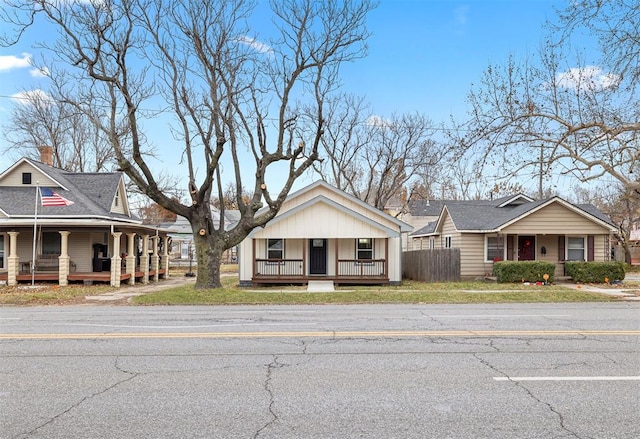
51, 198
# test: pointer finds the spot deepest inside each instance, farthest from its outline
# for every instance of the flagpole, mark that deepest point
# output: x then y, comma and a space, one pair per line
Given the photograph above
35, 229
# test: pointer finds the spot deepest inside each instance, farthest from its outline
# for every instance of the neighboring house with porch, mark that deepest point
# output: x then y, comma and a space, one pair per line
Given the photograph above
517, 228
83, 228
323, 233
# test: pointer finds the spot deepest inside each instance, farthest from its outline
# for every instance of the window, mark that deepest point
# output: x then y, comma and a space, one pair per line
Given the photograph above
575, 249
1, 251
494, 250
364, 248
432, 243
275, 248
184, 250
51, 243
447, 242
116, 200
26, 178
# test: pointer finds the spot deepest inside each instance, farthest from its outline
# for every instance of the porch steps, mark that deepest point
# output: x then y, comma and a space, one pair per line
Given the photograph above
320, 286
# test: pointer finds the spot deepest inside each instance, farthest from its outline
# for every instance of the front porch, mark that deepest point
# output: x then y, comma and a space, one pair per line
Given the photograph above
86, 277
347, 271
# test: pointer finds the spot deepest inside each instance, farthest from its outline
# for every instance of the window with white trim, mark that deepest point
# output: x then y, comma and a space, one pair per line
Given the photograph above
576, 248
364, 248
447, 242
275, 248
493, 248
432, 243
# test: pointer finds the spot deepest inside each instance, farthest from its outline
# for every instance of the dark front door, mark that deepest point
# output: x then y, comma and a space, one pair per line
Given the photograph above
526, 248
317, 256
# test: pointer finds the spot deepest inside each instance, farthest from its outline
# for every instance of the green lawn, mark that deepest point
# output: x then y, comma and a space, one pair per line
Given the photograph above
408, 292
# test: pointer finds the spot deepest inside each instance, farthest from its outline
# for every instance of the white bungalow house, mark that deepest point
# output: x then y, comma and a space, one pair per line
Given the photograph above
323, 233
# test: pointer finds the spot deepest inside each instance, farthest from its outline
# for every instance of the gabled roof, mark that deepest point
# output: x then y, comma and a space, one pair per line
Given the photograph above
92, 195
484, 216
369, 218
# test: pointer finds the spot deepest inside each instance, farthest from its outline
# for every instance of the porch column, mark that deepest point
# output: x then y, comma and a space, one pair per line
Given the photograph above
63, 259
336, 259
12, 259
165, 257
131, 258
155, 259
116, 260
144, 259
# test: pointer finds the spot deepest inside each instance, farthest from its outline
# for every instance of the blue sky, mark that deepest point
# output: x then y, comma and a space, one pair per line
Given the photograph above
423, 55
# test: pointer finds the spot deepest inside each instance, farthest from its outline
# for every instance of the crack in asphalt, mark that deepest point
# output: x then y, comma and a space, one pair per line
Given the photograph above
131, 376
269, 389
531, 395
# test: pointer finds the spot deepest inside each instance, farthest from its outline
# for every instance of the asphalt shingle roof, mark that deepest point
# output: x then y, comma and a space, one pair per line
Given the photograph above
92, 195
487, 215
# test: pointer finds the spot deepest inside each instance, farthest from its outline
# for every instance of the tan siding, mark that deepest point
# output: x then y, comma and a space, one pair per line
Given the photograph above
15, 177
472, 256
80, 251
554, 219
119, 207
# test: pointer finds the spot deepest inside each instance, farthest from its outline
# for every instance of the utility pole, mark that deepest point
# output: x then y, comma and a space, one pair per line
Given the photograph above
540, 177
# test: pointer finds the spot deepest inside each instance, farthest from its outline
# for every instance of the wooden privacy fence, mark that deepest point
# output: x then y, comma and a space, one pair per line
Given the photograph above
436, 265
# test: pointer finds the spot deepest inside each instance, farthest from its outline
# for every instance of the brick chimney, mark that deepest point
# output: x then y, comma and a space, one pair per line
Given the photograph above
46, 154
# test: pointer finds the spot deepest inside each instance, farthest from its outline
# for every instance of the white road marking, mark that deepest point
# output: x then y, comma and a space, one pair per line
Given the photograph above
496, 316
570, 378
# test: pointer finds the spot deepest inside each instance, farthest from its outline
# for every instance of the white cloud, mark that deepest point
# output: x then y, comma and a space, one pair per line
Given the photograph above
589, 77
255, 44
10, 62
461, 15
378, 121
39, 73
33, 97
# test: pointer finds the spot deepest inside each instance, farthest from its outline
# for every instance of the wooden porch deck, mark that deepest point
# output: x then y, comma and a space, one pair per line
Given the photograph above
304, 280
100, 276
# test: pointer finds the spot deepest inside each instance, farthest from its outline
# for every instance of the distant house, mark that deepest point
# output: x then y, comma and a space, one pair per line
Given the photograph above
323, 233
181, 236
517, 228
83, 228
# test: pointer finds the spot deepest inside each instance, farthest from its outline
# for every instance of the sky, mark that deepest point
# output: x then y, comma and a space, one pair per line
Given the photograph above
423, 56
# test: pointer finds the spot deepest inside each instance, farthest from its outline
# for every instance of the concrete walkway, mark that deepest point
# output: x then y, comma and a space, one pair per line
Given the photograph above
629, 293
127, 292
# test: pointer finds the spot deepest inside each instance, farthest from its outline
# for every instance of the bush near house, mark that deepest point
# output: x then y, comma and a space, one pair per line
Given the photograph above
523, 271
596, 272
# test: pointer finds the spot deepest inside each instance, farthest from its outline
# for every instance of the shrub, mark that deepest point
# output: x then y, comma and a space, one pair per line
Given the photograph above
596, 272
518, 271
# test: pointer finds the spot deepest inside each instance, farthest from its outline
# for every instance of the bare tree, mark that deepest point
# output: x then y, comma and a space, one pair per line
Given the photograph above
377, 159
242, 108
39, 119
541, 116
621, 206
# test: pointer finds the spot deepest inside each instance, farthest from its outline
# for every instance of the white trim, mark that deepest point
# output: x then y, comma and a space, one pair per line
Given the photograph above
584, 247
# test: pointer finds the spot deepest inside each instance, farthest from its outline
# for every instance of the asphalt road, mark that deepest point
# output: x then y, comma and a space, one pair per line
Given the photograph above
406, 371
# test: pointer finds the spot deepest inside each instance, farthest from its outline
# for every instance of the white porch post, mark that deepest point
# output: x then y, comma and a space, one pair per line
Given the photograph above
155, 258
116, 260
131, 258
165, 257
144, 259
63, 259
12, 259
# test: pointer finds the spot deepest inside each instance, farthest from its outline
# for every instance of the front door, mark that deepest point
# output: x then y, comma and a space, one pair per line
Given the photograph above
526, 248
318, 256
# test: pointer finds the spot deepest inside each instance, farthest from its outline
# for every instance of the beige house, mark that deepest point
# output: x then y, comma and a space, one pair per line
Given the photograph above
322, 233
64, 226
517, 228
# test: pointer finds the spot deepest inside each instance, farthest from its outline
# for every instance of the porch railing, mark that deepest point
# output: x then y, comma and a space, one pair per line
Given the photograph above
279, 267
347, 268
363, 268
